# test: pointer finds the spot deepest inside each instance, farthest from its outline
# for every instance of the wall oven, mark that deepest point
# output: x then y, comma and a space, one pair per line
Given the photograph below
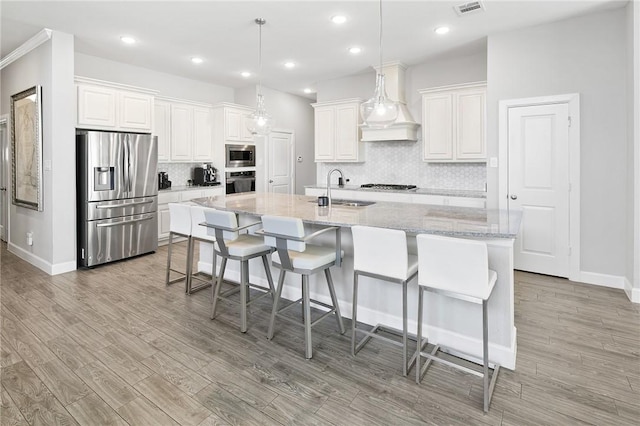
240, 155
237, 182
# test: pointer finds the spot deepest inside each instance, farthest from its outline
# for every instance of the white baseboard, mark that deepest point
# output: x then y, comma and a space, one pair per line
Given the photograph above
503, 355
633, 293
603, 280
38, 262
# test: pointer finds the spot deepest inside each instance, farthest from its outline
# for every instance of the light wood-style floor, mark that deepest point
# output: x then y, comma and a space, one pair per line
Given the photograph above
113, 345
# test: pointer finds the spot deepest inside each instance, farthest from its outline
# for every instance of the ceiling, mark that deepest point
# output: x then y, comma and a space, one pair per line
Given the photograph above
224, 34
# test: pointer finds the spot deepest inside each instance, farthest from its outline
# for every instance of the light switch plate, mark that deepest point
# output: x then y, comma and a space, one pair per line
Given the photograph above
493, 162
47, 165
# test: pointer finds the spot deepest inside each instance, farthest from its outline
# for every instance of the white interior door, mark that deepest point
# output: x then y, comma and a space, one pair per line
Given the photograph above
280, 166
538, 144
4, 178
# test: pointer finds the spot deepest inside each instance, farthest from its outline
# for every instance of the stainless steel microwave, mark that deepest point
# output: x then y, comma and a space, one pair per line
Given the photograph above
240, 155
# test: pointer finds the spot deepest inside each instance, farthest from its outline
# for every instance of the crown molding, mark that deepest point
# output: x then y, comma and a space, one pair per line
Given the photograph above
26, 47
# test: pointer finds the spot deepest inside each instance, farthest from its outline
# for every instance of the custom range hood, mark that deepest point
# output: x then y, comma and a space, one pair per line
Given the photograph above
404, 128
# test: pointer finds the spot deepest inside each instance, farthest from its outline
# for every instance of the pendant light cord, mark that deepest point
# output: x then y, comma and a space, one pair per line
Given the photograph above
260, 22
380, 42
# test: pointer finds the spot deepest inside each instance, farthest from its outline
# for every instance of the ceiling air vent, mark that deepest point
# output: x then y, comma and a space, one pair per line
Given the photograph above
467, 8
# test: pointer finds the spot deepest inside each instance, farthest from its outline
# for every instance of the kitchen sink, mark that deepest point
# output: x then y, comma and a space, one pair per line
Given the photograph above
349, 203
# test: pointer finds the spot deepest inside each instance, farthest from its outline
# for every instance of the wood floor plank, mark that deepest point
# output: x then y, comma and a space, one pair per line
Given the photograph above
231, 409
69, 352
111, 388
42, 328
142, 412
61, 381
92, 410
184, 409
176, 373
8, 355
87, 336
26, 344
123, 364
10, 414
288, 411
31, 396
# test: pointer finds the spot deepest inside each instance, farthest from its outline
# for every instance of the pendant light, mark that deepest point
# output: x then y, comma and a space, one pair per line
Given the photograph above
379, 112
260, 123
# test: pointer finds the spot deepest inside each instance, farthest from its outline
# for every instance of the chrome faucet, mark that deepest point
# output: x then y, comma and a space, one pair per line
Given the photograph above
329, 182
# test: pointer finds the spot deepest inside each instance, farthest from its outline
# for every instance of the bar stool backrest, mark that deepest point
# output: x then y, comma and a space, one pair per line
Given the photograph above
224, 219
198, 217
288, 226
453, 264
180, 218
380, 251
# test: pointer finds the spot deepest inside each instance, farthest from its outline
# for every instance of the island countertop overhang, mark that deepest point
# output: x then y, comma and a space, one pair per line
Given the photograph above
462, 222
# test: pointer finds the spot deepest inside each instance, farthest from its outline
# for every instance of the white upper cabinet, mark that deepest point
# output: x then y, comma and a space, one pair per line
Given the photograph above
454, 123
202, 134
110, 106
337, 131
162, 129
235, 124
181, 132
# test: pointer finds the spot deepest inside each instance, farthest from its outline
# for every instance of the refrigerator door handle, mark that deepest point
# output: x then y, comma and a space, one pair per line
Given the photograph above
126, 222
110, 206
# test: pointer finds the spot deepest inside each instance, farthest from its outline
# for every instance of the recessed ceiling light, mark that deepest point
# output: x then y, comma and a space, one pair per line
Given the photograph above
127, 39
339, 19
245, 74
289, 65
308, 90
355, 50
441, 30
197, 60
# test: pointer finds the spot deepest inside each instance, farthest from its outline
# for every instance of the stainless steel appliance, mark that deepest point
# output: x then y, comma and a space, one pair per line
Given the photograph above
388, 186
117, 195
240, 155
240, 182
205, 175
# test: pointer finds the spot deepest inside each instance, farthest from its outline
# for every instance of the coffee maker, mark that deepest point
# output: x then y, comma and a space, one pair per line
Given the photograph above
163, 181
205, 175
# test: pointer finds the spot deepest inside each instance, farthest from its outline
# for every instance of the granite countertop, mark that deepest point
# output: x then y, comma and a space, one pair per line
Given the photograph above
188, 188
422, 191
412, 218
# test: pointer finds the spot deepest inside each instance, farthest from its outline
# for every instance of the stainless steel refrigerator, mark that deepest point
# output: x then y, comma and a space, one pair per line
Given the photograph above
117, 195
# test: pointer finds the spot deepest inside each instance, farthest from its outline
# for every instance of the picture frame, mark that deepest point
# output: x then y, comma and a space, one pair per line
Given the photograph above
26, 148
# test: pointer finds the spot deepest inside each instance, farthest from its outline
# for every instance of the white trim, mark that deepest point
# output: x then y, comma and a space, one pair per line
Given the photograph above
573, 102
6, 167
635, 284
292, 159
86, 80
632, 293
38, 262
26, 47
603, 280
472, 85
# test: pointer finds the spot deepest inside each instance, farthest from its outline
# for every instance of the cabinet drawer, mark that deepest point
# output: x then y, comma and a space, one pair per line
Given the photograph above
169, 197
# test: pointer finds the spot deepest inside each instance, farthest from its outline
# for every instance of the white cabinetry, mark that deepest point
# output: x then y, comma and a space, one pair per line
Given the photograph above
178, 196
184, 130
454, 123
110, 106
337, 131
235, 124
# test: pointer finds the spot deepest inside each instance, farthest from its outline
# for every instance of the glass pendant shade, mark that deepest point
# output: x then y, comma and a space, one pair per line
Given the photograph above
260, 123
379, 112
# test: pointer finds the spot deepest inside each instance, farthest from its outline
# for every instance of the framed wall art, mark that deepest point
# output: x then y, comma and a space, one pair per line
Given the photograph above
26, 148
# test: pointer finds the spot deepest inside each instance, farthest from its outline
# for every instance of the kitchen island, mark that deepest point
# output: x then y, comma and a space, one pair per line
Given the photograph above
447, 321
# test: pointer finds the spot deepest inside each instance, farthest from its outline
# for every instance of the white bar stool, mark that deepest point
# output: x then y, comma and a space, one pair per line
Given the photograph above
179, 225
199, 234
230, 244
382, 253
293, 254
457, 268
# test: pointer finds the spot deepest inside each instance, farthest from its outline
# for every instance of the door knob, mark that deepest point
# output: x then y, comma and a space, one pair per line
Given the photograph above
3, 188
270, 180
514, 197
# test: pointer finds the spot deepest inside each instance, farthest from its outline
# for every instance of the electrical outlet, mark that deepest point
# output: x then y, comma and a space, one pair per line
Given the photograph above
29, 238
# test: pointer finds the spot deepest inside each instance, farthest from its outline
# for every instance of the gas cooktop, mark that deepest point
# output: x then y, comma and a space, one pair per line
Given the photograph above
388, 186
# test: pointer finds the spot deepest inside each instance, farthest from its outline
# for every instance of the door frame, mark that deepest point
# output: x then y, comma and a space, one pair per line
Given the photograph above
5, 145
292, 159
573, 102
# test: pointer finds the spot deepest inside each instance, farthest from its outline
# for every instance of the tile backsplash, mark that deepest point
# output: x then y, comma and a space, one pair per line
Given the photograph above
401, 163
179, 173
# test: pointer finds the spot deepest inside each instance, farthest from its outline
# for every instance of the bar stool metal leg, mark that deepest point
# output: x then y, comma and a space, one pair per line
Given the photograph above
354, 313
308, 351
244, 289
276, 301
169, 258
404, 328
334, 300
216, 293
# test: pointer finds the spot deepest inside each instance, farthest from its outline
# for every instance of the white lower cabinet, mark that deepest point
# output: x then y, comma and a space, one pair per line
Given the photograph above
177, 196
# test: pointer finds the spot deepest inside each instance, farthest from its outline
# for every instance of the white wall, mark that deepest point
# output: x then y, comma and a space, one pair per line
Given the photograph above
583, 55
633, 128
167, 84
51, 66
290, 112
400, 162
